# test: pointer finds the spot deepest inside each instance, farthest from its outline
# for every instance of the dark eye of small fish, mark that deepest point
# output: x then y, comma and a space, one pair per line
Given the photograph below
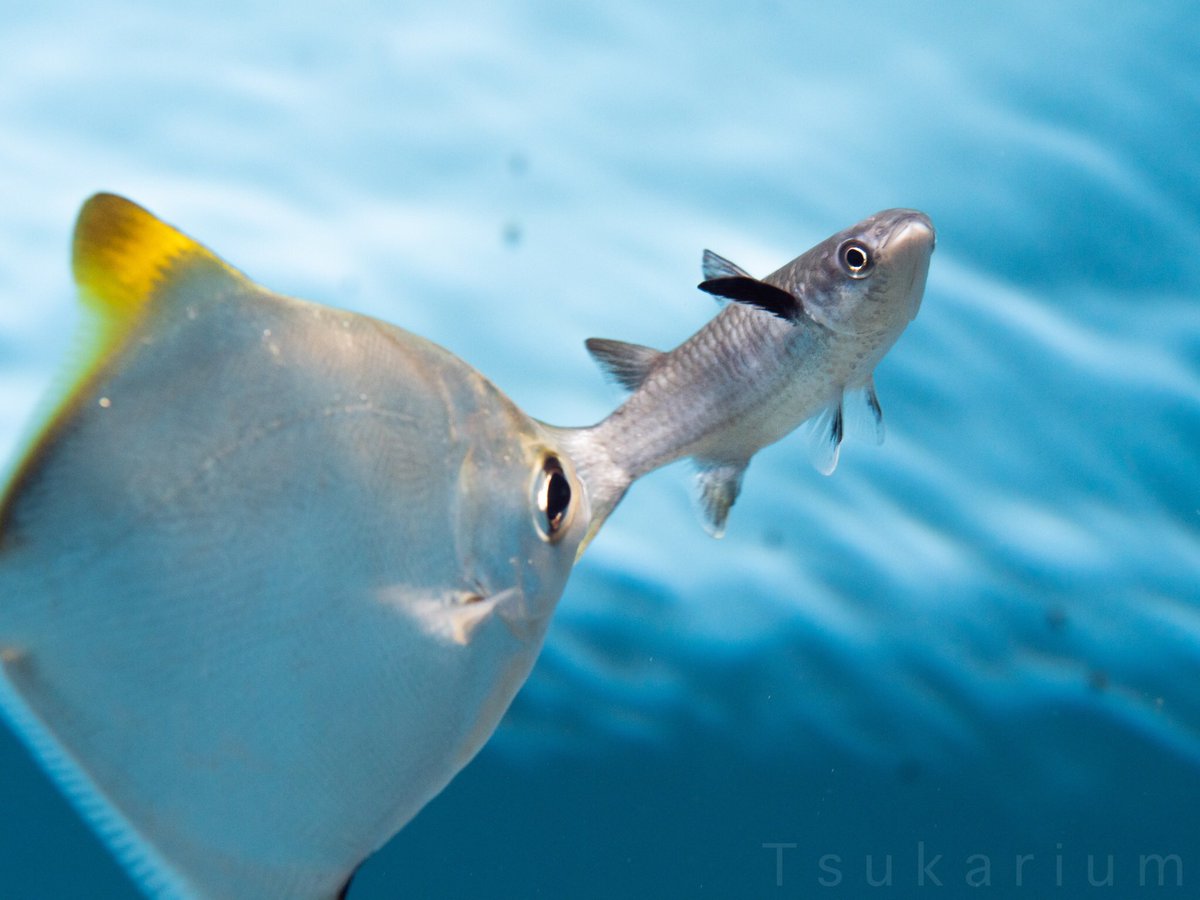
553, 499
855, 259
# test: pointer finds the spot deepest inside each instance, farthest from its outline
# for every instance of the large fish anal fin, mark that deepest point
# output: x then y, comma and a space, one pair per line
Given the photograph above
627, 364
719, 484
23, 696
753, 292
345, 891
714, 265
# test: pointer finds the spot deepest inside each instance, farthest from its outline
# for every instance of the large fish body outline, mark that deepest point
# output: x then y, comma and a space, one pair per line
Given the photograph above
270, 575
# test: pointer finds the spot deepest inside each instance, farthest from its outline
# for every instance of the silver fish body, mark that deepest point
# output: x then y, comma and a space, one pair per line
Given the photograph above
798, 341
271, 575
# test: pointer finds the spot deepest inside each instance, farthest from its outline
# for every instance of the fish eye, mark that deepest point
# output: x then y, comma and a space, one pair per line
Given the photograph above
855, 259
553, 496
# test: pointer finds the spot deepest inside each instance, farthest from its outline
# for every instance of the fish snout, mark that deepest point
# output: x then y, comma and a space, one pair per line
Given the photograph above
908, 228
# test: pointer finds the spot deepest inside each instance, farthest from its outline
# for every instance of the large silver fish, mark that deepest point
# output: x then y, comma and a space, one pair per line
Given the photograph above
271, 574
788, 351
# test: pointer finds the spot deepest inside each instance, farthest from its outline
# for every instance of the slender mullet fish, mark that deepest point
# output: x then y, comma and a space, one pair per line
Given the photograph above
789, 350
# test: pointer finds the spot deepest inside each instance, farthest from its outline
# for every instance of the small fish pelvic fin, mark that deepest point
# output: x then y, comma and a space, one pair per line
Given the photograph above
719, 485
626, 364
752, 292
874, 411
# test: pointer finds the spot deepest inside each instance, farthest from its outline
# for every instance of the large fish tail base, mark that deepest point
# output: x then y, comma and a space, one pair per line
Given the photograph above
604, 480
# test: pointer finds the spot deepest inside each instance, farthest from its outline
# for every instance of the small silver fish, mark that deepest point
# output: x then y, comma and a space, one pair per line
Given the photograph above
271, 574
789, 350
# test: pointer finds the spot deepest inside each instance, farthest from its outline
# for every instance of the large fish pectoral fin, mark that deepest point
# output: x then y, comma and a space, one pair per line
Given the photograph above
718, 484
451, 617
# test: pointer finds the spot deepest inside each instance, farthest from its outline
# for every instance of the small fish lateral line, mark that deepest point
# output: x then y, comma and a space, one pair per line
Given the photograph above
272, 572
793, 348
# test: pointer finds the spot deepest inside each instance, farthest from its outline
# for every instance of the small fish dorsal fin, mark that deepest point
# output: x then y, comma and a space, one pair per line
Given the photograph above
122, 255
627, 364
713, 265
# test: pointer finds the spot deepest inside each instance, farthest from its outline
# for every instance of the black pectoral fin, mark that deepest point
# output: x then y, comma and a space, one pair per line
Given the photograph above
755, 293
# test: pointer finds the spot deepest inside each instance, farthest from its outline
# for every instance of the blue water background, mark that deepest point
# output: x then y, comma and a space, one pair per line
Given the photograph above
981, 638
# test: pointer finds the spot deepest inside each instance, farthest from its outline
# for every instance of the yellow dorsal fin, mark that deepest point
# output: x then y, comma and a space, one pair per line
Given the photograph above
123, 259
122, 254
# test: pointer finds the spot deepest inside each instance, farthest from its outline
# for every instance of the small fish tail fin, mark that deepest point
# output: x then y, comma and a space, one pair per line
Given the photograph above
604, 481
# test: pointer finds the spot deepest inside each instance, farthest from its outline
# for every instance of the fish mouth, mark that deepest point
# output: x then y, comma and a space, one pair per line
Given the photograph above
908, 227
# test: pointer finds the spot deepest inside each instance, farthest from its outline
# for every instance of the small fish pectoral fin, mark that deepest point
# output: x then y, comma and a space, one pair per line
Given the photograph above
753, 292
719, 485
864, 416
627, 364
824, 433
715, 266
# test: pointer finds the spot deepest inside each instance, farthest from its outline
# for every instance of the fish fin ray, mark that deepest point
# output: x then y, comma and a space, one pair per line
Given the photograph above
123, 259
719, 484
627, 364
753, 292
824, 433
140, 860
713, 265
122, 255
864, 416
